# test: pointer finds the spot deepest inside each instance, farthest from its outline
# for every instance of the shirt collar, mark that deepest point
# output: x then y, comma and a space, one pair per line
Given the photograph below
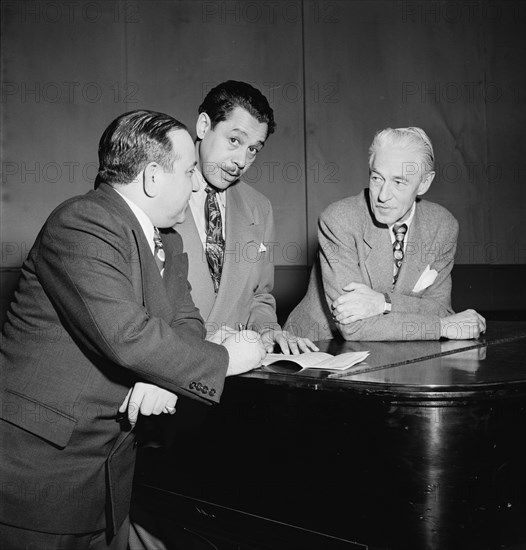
409, 219
201, 193
143, 219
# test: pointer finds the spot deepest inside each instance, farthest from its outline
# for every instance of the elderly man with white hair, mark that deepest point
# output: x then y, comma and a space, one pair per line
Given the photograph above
385, 255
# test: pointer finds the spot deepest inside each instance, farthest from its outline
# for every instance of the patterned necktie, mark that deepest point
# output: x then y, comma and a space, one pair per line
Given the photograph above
215, 244
158, 251
398, 248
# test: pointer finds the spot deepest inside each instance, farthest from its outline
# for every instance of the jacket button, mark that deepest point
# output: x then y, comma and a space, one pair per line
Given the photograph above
212, 392
199, 386
205, 389
192, 385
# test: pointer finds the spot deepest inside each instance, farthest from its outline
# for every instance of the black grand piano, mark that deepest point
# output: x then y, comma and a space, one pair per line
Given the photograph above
423, 447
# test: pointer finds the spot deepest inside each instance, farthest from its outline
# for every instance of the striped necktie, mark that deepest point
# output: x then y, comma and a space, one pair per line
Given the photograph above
215, 244
398, 248
158, 250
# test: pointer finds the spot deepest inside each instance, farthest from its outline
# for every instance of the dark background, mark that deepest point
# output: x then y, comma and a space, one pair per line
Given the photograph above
334, 72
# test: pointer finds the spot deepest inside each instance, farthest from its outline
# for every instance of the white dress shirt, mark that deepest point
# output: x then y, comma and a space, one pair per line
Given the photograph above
143, 219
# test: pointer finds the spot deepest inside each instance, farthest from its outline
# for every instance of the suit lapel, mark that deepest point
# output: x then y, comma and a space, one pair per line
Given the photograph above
171, 273
418, 241
379, 258
198, 274
239, 220
239, 231
154, 297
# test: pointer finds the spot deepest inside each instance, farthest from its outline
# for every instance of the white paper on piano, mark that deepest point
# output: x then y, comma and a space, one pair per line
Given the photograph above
278, 362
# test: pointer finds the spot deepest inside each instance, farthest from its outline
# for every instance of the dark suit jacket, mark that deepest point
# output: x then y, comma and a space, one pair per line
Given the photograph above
354, 248
247, 279
91, 316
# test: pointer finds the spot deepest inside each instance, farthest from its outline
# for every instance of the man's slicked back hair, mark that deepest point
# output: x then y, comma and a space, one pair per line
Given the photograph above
132, 141
411, 138
224, 98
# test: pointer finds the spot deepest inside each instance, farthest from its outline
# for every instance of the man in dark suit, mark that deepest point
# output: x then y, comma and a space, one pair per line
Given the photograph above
385, 255
103, 317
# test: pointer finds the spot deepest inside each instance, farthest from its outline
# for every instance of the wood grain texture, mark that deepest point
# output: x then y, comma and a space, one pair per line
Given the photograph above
334, 72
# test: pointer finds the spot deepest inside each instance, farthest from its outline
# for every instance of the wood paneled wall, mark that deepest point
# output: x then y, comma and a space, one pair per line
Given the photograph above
334, 72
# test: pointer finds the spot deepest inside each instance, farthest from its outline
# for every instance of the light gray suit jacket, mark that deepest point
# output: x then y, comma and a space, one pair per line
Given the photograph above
248, 270
354, 248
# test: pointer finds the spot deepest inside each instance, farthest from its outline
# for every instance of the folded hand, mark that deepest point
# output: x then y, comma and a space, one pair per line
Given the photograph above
357, 302
465, 325
147, 399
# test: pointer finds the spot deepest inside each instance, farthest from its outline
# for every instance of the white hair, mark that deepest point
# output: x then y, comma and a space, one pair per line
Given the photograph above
412, 138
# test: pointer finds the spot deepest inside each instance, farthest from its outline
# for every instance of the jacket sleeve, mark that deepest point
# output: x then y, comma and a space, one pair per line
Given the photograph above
412, 317
85, 264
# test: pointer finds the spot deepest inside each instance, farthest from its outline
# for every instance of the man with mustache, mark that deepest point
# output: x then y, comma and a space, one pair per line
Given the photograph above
228, 235
229, 230
385, 255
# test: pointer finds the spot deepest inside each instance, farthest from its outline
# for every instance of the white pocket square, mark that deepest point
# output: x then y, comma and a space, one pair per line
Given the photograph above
426, 279
262, 248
